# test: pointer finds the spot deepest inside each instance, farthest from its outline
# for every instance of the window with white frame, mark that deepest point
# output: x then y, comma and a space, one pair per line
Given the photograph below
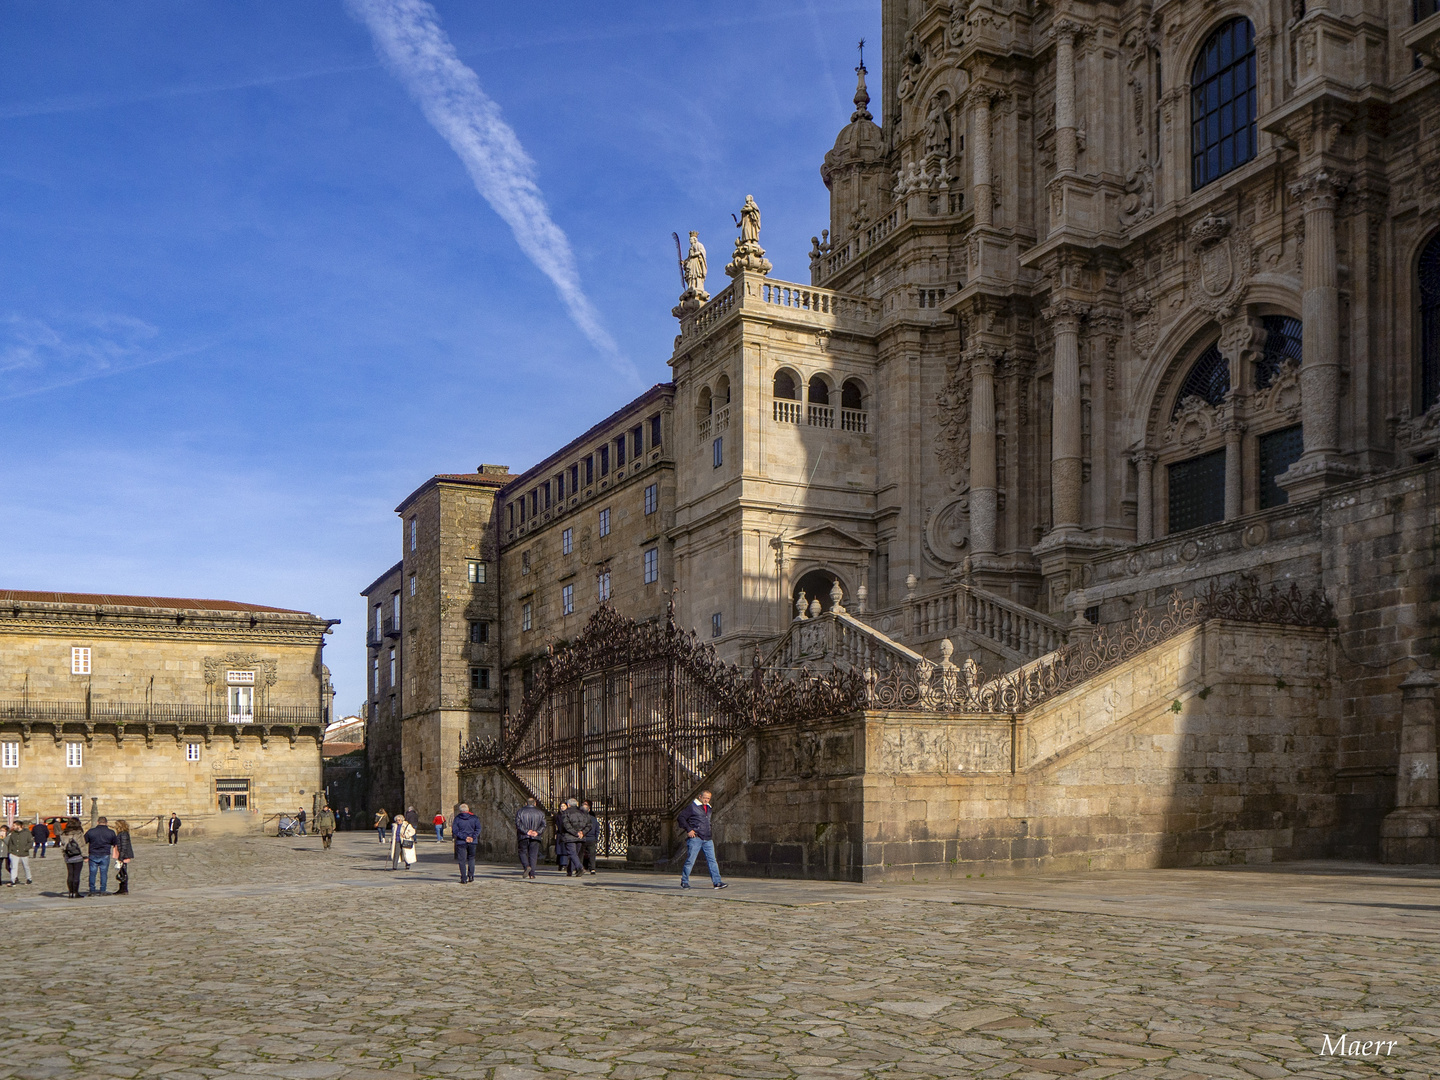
605, 522
192, 751
476, 572
412, 584
652, 498
525, 617
74, 755
414, 533
567, 541
392, 667
604, 585
242, 704
567, 599
74, 805
652, 565
80, 660
395, 602
376, 680
12, 811
379, 620
10, 755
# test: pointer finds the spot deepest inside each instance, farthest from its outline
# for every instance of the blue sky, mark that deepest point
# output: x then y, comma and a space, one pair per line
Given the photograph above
250, 298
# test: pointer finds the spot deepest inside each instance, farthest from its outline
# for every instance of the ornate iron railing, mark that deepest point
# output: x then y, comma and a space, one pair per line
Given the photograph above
947, 687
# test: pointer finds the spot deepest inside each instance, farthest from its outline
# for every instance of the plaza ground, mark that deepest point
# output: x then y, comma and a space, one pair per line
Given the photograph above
266, 957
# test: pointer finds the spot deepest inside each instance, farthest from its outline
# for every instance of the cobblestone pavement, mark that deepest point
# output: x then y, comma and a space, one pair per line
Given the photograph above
272, 958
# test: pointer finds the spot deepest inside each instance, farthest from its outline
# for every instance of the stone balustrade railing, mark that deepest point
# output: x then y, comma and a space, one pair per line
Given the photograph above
839, 639
821, 308
1016, 632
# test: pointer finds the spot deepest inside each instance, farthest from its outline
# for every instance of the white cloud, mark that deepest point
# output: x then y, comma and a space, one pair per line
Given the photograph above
39, 354
410, 41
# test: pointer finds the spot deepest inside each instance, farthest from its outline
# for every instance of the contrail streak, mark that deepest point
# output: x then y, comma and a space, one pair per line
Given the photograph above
411, 43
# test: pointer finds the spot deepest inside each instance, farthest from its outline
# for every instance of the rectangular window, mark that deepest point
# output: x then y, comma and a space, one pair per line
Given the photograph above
376, 677
605, 522
604, 461
652, 566
560, 487
475, 571
74, 805
479, 678
12, 811
567, 600
1197, 491
652, 498
524, 562
637, 442
654, 432
480, 633
546, 488
567, 541
239, 678
392, 667
534, 501
379, 620
574, 479
192, 751
620, 451
395, 603
718, 453
589, 470
1278, 451
10, 755
232, 794
74, 755
242, 704
715, 624
414, 533
412, 584
80, 661
604, 585
522, 509
525, 617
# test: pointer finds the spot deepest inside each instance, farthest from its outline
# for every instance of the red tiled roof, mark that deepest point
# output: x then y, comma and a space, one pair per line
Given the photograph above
21, 596
339, 749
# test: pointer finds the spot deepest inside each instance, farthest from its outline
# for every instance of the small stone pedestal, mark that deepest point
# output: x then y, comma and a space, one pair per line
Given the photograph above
1411, 833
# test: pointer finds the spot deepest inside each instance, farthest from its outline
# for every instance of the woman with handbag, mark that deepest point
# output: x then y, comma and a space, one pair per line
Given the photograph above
124, 852
74, 860
405, 837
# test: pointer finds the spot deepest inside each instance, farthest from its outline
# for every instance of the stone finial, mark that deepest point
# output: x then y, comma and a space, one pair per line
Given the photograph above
837, 594
800, 605
911, 581
862, 95
814, 609
861, 595
947, 650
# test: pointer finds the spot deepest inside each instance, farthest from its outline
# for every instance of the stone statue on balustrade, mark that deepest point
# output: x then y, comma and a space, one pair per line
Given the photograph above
694, 267
749, 255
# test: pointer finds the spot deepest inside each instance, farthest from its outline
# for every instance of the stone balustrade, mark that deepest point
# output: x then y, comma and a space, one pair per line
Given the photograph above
804, 304
1015, 631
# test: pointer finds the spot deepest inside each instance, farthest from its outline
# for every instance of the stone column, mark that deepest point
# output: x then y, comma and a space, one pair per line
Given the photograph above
1144, 497
980, 156
983, 495
1067, 149
1234, 431
1320, 310
1065, 456
1411, 833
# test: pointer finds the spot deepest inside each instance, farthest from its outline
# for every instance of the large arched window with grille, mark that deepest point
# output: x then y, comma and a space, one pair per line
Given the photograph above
1222, 103
1430, 323
1209, 380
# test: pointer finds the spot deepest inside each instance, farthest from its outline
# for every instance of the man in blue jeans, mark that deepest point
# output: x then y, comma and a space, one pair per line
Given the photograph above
102, 840
694, 822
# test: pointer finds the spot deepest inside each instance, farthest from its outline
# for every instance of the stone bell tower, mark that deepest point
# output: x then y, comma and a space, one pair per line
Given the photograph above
853, 171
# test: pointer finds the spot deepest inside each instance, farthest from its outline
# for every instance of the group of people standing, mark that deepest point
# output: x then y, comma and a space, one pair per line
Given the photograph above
100, 847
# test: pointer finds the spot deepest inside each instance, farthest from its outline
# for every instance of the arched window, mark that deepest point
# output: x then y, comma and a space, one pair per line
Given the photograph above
706, 404
1282, 344
1430, 324
1209, 380
819, 391
1222, 103
851, 395
816, 585
785, 388
722, 391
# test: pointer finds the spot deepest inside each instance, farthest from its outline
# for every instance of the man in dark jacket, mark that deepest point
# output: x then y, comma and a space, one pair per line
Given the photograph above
172, 829
465, 831
574, 824
40, 836
101, 840
592, 839
529, 824
694, 822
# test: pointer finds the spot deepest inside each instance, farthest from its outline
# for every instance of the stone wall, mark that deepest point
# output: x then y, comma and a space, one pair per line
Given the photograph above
494, 797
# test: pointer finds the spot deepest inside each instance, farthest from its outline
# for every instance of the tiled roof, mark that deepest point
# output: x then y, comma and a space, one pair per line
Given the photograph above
19, 596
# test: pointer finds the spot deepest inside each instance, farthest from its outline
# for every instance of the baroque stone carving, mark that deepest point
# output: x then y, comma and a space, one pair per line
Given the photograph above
1139, 201
1420, 433
952, 437
937, 129
1283, 394
749, 255
1144, 324
1226, 262
215, 665
1193, 423
947, 529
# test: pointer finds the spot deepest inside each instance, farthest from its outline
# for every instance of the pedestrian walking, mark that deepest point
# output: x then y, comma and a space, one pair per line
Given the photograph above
405, 843
40, 837
124, 854
344, 821
101, 842
17, 846
414, 818
325, 826
172, 828
591, 841
695, 823
382, 822
574, 824
465, 830
439, 824
74, 856
529, 824
300, 820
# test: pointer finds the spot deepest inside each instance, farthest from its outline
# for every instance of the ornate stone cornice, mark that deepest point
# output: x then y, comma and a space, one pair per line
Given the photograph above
1065, 315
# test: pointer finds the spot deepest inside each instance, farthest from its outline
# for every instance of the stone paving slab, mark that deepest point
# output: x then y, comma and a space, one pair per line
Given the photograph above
271, 958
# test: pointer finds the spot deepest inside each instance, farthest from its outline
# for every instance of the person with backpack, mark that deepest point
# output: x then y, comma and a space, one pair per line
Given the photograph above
74, 859
382, 822
529, 824
465, 830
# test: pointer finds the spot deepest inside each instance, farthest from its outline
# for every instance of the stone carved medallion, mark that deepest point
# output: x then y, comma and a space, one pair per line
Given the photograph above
1283, 394
1226, 261
1193, 423
947, 529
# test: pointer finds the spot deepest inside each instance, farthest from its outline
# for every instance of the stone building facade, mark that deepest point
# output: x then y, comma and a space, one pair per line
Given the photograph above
385, 783
135, 707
